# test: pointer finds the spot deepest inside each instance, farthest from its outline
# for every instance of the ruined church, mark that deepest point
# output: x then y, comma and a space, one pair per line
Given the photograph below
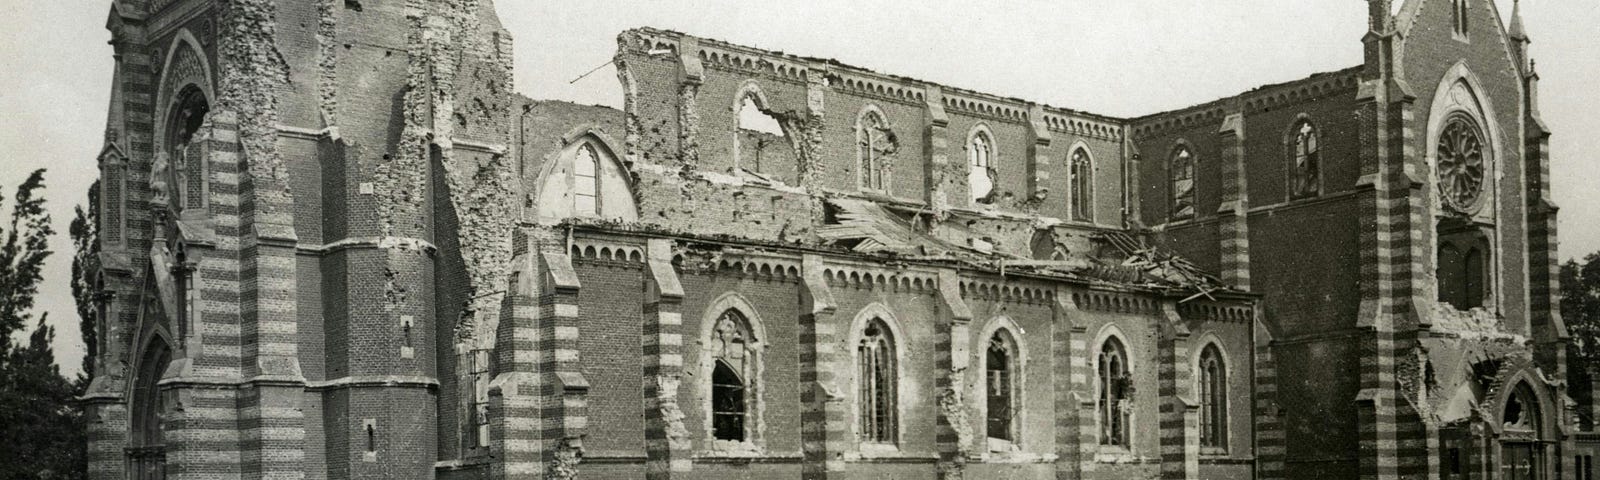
337, 244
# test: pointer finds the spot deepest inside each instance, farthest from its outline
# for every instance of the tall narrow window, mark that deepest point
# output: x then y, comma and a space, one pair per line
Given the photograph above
980, 167
585, 186
874, 144
1182, 183
1114, 387
372, 438
1462, 275
877, 384
1000, 373
1082, 186
1305, 177
731, 371
1213, 400
1459, 15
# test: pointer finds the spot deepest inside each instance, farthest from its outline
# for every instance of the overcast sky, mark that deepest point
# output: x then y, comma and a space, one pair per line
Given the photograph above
1115, 57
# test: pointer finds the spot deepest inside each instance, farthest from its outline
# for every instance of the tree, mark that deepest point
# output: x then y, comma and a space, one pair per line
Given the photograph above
85, 231
37, 413
1580, 306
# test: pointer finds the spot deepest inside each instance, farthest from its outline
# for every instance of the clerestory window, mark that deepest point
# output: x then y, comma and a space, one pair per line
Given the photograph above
980, 167
1181, 183
1305, 174
1082, 171
585, 182
875, 143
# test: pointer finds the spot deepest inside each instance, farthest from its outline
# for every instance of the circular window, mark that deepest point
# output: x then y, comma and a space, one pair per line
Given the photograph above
1461, 162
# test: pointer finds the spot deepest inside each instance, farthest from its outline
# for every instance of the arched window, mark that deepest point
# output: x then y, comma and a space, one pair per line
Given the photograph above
733, 367
1082, 170
148, 457
1181, 177
186, 154
1213, 376
585, 182
1305, 175
1000, 386
874, 144
1462, 276
876, 379
980, 166
1114, 384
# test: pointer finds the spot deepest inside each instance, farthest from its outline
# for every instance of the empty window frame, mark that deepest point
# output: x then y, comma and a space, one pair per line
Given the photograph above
1181, 184
1082, 172
585, 182
875, 142
1213, 385
1113, 383
877, 387
1305, 177
732, 370
980, 166
1001, 360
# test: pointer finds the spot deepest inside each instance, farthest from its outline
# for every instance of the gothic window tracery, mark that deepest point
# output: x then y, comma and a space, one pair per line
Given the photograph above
1115, 386
732, 371
980, 166
1461, 162
1181, 183
877, 384
1213, 392
1000, 386
875, 143
1082, 171
1306, 178
585, 182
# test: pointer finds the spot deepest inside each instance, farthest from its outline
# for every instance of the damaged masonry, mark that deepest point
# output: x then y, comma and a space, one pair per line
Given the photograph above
337, 244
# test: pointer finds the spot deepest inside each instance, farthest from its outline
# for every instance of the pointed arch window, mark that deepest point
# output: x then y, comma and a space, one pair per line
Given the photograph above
1115, 388
877, 384
1181, 183
875, 143
1000, 386
733, 368
980, 166
1082, 171
1213, 400
1306, 172
585, 182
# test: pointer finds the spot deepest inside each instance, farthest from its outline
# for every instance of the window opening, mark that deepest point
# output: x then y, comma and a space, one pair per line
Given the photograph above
1182, 184
980, 162
1082, 186
877, 384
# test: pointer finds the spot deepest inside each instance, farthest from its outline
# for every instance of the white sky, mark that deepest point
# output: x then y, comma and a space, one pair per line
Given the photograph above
1115, 57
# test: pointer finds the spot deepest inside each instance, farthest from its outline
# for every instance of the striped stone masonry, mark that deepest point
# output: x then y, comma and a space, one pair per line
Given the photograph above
513, 393
823, 432
564, 390
953, 328
1377, 444
514, 422
667, 442
1179, 413
1233, 219
1074, 395
1270, 447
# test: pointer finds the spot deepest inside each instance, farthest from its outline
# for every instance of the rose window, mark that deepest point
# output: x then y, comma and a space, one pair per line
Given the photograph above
1460, 162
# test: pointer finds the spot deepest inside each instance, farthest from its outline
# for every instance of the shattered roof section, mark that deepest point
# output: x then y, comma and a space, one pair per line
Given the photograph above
867, 227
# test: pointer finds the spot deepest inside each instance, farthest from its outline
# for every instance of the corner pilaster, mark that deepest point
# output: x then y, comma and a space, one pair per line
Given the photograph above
1179, 413
823, 431
953, 332
667, 442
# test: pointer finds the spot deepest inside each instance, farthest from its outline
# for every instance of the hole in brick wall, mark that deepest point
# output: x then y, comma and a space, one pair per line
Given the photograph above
752, 118
352, 5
